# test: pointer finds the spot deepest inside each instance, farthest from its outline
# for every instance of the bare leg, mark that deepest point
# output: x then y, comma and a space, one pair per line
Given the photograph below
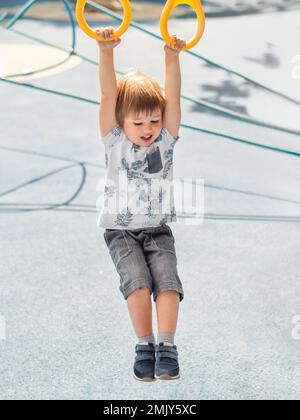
140, 310
167, 307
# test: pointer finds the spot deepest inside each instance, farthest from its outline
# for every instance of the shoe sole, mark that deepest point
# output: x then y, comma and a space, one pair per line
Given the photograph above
146, 379
167, 377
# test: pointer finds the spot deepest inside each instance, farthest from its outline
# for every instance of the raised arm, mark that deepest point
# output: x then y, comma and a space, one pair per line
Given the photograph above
172, 114
108, 81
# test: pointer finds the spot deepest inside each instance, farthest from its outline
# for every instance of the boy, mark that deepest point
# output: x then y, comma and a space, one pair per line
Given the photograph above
139, 128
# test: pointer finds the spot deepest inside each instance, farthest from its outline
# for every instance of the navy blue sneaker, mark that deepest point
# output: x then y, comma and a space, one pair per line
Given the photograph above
144, 362
166, 364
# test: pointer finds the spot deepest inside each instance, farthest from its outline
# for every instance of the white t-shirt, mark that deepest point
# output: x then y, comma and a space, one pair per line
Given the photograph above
139, 189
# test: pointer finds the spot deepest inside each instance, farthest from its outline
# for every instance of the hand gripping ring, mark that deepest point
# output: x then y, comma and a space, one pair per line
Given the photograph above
170, 5
89, 31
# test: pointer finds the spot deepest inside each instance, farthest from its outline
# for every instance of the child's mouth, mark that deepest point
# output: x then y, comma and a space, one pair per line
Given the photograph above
147, 138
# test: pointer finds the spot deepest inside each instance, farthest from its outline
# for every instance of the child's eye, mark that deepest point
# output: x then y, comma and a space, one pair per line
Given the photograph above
153, 122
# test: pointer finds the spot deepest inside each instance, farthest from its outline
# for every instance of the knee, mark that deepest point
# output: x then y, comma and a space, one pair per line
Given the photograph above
167, 294
144, 290
140, 292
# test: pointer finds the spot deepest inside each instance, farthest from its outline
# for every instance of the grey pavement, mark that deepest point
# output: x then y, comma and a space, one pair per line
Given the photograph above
67, 331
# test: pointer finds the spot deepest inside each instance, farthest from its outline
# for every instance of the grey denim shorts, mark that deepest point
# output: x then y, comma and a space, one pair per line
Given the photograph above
144, 258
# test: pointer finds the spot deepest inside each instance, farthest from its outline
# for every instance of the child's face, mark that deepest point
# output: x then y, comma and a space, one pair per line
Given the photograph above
138, 130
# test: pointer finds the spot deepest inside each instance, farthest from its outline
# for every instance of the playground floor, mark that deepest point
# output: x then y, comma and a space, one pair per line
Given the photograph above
65, 331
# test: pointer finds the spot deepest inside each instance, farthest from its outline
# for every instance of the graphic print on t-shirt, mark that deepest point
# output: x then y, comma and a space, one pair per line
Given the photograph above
138, 187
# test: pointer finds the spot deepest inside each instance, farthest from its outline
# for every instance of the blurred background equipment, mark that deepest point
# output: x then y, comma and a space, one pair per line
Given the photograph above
151, 9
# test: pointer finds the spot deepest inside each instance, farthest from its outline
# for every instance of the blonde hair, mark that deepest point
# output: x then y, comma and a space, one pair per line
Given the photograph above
137, 92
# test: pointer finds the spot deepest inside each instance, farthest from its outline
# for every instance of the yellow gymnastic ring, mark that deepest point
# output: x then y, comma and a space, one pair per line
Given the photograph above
170, 5
89, 31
